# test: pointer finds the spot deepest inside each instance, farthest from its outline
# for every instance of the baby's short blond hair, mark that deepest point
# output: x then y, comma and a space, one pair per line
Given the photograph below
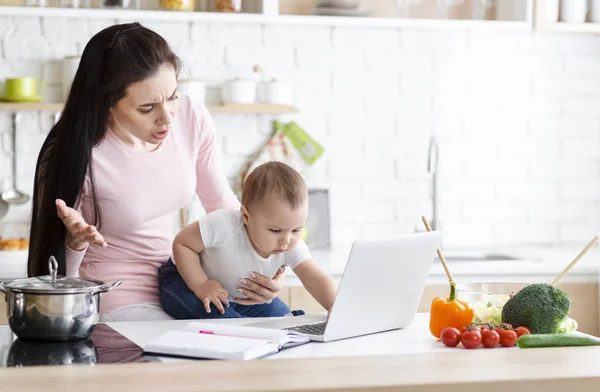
277, 180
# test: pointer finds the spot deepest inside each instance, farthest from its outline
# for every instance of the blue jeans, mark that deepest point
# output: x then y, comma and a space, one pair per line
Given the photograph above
180, 302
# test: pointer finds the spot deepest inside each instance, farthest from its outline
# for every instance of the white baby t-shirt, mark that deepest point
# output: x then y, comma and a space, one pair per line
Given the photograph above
229, 255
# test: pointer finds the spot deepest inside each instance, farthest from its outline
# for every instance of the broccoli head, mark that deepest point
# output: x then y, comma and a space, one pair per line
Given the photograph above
540, 307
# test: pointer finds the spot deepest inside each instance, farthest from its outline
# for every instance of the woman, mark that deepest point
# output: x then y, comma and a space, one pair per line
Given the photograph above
126, 153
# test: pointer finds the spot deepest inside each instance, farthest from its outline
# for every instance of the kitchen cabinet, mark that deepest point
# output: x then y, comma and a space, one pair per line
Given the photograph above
299, 298
585, 302
3, 319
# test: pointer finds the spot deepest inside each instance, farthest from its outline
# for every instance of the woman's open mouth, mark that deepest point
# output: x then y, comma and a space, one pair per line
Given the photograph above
160, 135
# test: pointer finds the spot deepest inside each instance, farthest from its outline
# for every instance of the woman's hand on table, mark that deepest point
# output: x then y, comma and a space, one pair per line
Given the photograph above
260, 289
79, 233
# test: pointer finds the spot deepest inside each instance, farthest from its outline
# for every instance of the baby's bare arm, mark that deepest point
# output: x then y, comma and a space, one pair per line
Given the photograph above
318, 282
187, 246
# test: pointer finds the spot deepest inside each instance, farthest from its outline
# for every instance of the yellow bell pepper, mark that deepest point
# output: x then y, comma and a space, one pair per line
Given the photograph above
449, 312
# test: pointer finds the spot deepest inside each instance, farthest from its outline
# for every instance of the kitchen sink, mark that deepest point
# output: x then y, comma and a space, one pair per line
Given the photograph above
454, 256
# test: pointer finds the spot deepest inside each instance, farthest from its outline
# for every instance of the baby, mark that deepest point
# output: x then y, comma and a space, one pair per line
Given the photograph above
212, 256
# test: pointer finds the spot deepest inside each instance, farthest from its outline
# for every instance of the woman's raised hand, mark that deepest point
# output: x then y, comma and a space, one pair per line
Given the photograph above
79, 233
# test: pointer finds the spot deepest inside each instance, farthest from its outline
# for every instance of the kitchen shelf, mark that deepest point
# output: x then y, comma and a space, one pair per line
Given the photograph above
541, 24
258, 108
563, 27
24, 107
229, 108
302, 20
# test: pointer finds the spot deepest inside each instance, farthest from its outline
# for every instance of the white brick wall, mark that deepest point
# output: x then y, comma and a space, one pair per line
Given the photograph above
333, 59
276, 36
351, 38
517, 116
582, 64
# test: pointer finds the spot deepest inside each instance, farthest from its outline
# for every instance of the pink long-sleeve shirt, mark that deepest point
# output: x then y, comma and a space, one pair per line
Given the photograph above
138, 193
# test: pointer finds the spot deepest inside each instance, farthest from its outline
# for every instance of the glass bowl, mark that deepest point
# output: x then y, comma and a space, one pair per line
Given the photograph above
487, 298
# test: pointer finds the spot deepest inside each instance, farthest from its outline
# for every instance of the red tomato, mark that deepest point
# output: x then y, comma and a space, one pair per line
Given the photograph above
450, 337
490, 339
484, 328
522, 331
471, 339
502, 327
508, 338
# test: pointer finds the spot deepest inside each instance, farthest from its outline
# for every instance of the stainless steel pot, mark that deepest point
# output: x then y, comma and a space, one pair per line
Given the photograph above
53, 308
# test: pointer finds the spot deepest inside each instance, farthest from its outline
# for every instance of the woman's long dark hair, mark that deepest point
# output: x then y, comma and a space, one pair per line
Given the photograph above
112, 60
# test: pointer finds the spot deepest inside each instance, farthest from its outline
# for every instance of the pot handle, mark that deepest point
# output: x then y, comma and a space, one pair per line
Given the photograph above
53, 267
105, 289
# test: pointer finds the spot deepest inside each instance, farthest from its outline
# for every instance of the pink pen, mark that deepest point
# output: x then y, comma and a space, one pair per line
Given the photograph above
206, 332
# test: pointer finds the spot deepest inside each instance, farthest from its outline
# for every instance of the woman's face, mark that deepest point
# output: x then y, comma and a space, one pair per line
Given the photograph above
143, 117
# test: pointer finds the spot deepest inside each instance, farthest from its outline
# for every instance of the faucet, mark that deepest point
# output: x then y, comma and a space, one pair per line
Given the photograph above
432, 168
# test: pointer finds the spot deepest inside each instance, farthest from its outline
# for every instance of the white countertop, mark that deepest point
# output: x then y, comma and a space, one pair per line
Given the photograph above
397, 360
414, 339
548, 263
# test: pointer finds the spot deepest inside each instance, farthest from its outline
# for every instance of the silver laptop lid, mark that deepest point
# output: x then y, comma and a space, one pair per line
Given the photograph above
382, 284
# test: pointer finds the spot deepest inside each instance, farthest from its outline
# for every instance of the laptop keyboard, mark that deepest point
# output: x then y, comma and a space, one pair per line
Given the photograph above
310, 329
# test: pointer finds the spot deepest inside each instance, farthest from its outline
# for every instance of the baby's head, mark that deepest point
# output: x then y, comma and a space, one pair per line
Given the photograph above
274, 207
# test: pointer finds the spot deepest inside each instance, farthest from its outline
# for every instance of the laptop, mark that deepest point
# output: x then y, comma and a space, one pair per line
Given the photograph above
380, 289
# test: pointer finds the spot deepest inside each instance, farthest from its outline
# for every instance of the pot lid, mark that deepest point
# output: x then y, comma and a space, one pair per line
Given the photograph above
46, 283
53, 283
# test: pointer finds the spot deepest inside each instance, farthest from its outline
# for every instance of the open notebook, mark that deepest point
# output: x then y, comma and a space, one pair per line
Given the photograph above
218, 341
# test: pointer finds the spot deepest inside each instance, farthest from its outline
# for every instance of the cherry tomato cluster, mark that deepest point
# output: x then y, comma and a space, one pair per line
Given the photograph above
486, 335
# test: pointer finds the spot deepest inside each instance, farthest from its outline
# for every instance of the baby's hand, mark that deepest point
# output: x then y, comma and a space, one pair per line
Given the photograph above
212, 291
